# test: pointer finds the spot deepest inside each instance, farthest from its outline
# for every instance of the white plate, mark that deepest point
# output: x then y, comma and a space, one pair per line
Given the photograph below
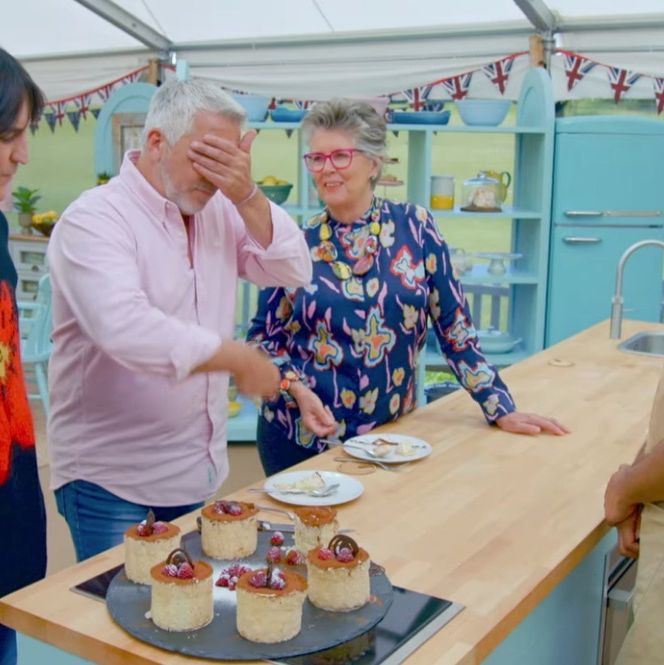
360, 445
349, 488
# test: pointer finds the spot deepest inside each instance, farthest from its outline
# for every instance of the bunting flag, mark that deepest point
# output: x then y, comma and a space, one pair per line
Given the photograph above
418, 96
621, 80
576, 67
74, 118
49, 116
458, 86
83, 105
302, 104
658, 85
58, 111
105, 91
79, 105
499, 72
34, 126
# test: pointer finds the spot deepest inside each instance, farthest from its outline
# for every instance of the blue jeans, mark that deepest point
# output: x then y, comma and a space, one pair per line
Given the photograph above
7, 646
98, 519
276, 451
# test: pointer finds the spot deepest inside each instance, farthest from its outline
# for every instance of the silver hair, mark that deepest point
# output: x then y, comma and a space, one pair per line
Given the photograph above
360, 120
174, 105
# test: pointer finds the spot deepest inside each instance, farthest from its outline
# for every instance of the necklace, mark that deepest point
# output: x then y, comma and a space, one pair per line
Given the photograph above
327, 252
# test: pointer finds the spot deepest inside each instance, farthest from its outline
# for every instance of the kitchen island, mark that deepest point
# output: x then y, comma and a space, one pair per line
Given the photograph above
509, 526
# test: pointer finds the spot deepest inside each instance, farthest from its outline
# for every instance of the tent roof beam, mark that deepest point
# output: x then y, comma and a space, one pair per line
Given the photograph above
536, 11
128, 23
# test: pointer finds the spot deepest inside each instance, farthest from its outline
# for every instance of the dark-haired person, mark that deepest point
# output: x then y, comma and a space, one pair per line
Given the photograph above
22, 514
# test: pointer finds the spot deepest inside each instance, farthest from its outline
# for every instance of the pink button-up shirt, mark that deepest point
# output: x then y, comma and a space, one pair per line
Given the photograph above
132, 318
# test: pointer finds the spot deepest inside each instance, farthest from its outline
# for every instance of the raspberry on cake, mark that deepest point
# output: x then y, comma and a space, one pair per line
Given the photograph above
229, 529
146, 544
269, 605
314, 526
182, 596
338, 575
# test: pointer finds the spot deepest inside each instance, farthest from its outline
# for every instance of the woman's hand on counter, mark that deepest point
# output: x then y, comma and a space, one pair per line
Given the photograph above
530, 423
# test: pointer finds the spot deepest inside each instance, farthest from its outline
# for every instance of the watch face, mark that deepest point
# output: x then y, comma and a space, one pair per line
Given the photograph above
291, 375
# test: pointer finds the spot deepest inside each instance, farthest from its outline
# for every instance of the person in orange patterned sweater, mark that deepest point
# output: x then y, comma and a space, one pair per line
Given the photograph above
22, 514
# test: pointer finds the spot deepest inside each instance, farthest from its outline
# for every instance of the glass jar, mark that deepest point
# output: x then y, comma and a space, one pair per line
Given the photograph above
442, 192
481, 194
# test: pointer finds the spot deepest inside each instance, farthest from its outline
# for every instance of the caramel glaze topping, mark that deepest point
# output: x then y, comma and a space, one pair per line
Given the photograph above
248, 510
294, 582
312, 557
202, 570
315, 516
132, 532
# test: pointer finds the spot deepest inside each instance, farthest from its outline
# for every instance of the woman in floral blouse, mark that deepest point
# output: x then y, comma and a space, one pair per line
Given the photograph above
348, 344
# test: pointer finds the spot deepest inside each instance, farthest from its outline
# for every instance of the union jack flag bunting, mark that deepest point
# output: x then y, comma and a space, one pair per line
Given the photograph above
576, 67
418, 96
74, 118
83, 104
58, 110
621, 80
658, 84
458, 86
105, 91
302, 104
134, 76
499, 72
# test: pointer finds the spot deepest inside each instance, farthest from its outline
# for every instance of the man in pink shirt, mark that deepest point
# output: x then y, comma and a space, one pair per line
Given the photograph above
144, 273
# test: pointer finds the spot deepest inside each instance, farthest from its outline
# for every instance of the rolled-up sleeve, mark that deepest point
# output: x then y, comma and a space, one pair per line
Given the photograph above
94, 269
285, 262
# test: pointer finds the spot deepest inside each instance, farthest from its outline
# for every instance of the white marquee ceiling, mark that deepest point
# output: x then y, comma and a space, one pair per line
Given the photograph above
299, 46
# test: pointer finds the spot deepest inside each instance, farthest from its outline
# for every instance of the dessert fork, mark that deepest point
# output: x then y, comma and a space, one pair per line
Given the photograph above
322, 492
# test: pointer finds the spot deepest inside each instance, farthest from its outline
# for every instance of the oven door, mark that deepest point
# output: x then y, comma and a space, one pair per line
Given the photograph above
619, 580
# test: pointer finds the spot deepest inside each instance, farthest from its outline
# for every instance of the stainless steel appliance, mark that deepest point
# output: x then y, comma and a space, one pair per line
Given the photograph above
619, 579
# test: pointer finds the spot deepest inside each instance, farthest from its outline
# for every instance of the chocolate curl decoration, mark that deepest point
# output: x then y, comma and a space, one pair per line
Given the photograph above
268, 573
178, 556
340, 541
149, 523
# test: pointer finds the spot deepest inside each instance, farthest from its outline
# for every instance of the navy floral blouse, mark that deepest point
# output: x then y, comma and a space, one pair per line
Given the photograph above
356, 341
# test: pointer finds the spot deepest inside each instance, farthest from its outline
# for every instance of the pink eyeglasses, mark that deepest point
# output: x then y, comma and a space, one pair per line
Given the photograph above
340, 159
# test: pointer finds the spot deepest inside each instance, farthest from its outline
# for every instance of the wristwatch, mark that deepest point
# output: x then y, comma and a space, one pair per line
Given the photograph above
288, 378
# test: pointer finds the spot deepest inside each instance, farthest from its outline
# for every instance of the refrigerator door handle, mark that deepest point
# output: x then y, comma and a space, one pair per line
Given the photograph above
633, 213
580, 240
583, 213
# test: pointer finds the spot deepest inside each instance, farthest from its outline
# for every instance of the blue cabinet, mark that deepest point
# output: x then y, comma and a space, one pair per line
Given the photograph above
607, 195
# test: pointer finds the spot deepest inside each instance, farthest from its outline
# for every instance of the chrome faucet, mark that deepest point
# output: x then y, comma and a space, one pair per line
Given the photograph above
618, 300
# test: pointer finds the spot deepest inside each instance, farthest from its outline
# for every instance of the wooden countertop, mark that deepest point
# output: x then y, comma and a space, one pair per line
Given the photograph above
491, 520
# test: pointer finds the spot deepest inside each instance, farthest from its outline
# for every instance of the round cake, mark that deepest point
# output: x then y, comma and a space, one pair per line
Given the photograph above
147, 544
182, 597
270, 613
229, 529
338, 575
314, 526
